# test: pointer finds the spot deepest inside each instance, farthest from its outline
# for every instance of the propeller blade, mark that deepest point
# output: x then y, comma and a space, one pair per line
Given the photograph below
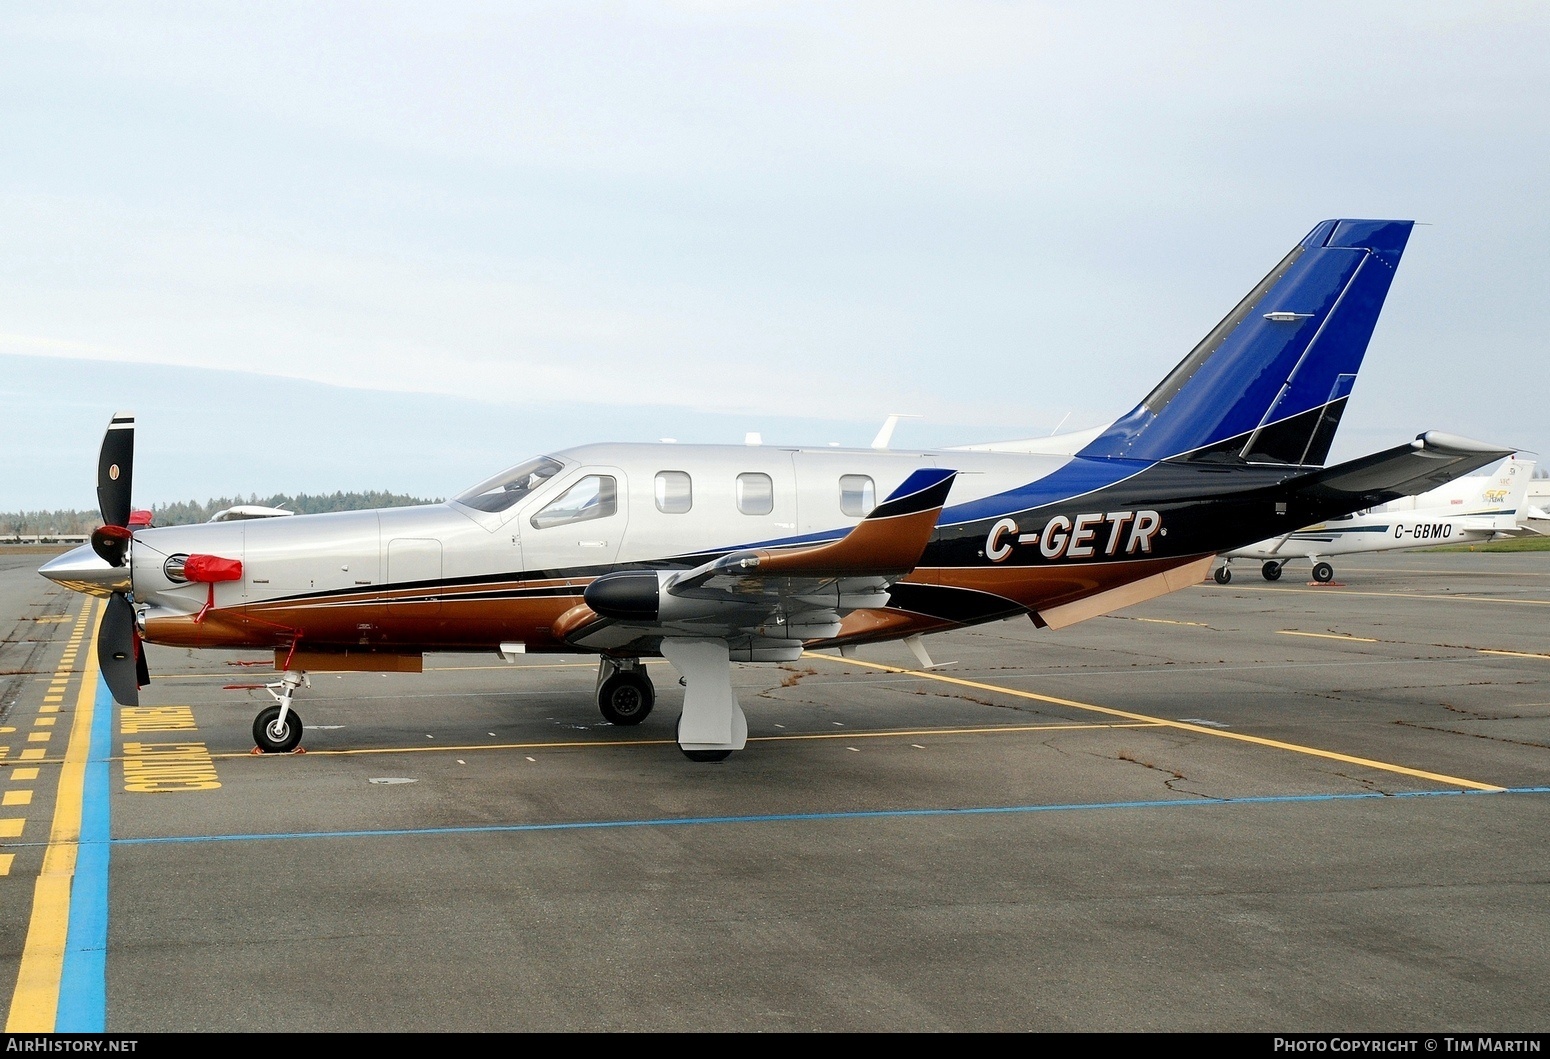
142, 671
111, 543
115, 470
118, 650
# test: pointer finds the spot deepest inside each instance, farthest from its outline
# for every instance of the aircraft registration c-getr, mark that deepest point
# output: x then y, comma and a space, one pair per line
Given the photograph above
706, 554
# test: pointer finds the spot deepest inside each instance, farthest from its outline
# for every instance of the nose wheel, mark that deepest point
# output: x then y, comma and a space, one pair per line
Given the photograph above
277, 729
1223, 574
275, 734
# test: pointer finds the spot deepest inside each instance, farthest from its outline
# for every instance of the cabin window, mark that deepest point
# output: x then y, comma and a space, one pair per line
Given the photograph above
755, 493
509, 487
858, 496
675, 492
595, 496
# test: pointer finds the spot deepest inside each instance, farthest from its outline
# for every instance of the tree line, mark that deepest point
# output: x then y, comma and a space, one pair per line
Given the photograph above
188, 512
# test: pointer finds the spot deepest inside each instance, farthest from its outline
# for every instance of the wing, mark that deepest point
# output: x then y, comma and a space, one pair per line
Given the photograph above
764, 603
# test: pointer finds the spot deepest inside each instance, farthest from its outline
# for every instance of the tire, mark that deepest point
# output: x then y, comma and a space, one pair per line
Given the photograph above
626, 697
1323, 573
702, 755
1272, 571
1223, 575
271, 742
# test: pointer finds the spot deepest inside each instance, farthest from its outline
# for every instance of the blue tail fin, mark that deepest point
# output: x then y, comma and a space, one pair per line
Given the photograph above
1270, 382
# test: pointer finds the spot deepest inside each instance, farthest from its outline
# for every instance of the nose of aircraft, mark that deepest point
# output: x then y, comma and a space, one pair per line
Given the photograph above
83, 570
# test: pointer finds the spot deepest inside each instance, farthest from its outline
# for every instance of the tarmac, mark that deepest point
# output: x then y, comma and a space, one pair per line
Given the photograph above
1250, 807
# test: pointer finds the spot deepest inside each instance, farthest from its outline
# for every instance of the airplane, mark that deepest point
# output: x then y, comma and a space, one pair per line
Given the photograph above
707, 555
1465, 511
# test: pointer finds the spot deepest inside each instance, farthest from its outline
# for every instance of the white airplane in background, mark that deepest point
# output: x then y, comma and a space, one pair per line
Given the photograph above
1468, 510
712, 554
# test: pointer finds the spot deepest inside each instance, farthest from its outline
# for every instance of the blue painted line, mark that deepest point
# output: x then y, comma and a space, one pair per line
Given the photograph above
83, 985
775, 818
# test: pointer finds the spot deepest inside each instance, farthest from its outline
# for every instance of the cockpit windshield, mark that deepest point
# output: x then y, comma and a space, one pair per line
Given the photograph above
509, 487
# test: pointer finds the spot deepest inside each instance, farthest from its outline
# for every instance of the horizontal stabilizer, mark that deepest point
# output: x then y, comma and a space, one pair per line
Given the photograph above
1432, 459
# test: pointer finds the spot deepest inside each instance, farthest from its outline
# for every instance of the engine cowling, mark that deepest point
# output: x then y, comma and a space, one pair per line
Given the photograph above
626, 595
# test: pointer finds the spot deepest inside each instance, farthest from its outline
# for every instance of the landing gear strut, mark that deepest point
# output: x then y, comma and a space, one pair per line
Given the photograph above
624, 692
712, 724
277, 729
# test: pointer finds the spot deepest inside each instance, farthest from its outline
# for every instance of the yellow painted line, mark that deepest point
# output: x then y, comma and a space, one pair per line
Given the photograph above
38, 737
1182, 725
36, 1000
1328, 635
1165, 621
17, 798
894, 733
23, 774
36, 753
1512, 654
44, 722
12, 827
5, 863
1413, 595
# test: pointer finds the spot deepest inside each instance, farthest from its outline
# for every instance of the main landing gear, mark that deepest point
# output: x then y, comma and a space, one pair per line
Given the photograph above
1223, 574
277, 729
624, 692
1271, 570
1323, 573
712, 724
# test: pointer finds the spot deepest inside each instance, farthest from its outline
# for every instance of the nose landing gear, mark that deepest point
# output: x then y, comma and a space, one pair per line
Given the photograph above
277, 729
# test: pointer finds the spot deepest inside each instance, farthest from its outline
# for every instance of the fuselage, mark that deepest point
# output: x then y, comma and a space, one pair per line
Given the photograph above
1388, 531
1023, 533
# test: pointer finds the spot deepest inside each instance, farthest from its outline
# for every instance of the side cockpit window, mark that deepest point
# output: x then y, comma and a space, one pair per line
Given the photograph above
595, 496
506, 489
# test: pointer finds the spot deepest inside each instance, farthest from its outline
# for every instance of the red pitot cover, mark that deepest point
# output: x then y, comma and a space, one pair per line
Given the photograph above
208, 569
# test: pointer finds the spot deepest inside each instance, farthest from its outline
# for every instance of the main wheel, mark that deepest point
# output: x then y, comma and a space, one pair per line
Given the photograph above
1272, 571
626, 697
1223, 575
1323, 573
702, 755
273, 738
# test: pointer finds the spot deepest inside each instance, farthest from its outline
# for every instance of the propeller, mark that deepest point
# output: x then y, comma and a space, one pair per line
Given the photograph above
115, 479
119, 651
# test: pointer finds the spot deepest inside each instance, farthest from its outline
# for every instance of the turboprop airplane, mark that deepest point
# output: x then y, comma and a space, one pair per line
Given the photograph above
706, 555
1465, 511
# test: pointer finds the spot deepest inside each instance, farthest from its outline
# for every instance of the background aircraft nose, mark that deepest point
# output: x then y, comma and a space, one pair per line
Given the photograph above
83, 570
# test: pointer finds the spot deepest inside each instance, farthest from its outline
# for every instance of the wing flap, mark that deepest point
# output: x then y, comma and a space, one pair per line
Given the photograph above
771, 598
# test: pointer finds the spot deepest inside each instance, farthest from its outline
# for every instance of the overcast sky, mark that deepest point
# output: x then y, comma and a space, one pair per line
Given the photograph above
401, 246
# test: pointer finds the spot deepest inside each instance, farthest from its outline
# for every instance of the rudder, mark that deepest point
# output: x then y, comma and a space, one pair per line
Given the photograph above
1270, 382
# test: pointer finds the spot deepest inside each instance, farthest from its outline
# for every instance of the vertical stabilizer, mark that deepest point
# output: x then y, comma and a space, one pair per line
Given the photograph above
1270, 382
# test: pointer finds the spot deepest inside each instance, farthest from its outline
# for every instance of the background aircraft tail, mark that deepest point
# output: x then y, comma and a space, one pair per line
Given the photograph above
1270, 382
